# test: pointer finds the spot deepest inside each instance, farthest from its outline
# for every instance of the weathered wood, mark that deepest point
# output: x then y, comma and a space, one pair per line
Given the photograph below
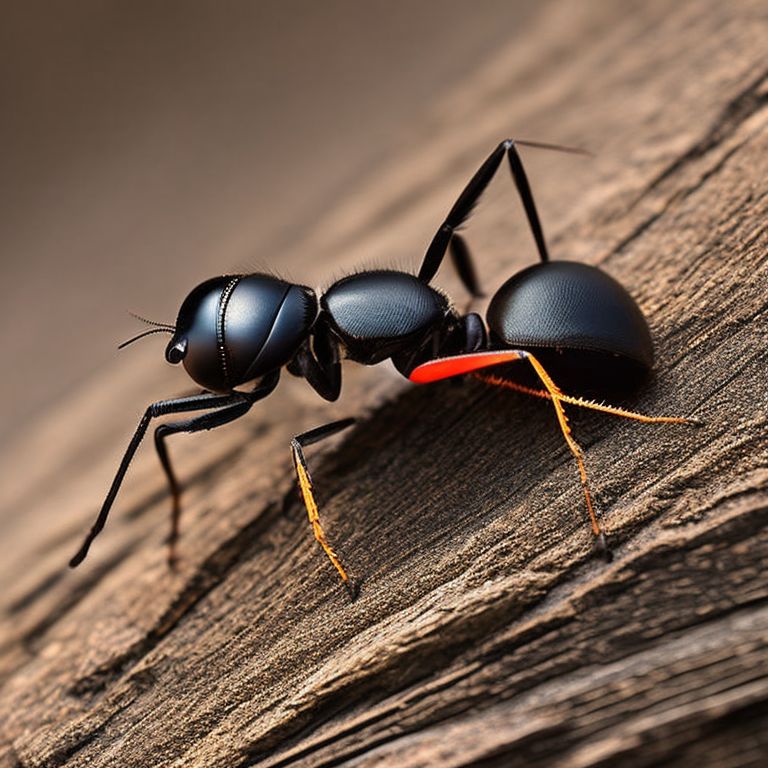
486, 632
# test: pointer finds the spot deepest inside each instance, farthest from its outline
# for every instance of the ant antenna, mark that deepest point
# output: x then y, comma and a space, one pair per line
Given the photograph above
555, 147
151, 322
146, 333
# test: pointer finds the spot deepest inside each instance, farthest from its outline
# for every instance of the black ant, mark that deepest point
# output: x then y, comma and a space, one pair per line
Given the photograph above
235, 329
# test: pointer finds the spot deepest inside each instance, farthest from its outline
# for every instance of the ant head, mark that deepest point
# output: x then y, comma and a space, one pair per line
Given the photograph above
236, 328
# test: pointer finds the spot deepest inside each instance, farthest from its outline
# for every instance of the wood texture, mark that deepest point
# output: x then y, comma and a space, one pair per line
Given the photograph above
486, 633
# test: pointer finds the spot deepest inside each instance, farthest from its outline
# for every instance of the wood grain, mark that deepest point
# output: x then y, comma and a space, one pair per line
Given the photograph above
486, 633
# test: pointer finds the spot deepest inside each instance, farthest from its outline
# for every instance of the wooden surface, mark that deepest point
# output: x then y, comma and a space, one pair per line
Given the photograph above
486, 633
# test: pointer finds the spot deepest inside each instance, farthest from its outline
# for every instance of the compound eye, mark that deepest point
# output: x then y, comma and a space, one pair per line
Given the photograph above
176, 351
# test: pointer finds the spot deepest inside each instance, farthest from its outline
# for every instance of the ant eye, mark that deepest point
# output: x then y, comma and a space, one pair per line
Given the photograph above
176, 351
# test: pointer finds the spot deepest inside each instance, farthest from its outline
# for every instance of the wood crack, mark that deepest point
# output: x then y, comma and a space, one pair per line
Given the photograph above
736, 112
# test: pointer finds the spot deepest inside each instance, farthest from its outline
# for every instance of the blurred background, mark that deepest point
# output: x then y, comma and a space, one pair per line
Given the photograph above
147, 146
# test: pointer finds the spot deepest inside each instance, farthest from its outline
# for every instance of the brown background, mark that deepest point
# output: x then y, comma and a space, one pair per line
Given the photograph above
147, 146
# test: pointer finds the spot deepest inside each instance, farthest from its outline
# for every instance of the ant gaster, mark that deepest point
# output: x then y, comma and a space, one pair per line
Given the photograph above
558, 316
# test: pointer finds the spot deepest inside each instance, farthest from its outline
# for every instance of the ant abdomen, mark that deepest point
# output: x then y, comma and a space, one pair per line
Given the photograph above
578, 320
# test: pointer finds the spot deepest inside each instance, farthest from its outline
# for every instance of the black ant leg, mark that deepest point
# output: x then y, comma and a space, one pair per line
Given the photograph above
475, 337
467, 200
198, 424
318, 361
458, 215
205, 401
207, 421
305, 488
464, 266
524, 190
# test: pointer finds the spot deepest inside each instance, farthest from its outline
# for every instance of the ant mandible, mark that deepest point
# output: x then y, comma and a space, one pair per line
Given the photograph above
558, 316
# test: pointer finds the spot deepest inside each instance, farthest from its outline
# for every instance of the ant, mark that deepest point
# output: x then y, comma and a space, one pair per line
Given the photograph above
559, 316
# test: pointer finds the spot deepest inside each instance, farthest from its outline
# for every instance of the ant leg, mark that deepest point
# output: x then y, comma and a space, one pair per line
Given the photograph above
464, 266
524, 190
435, 370
318, 361
205, 401
306, 489
198, 424
558, 398
468, 199
475, 336
458, 214
489, 378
